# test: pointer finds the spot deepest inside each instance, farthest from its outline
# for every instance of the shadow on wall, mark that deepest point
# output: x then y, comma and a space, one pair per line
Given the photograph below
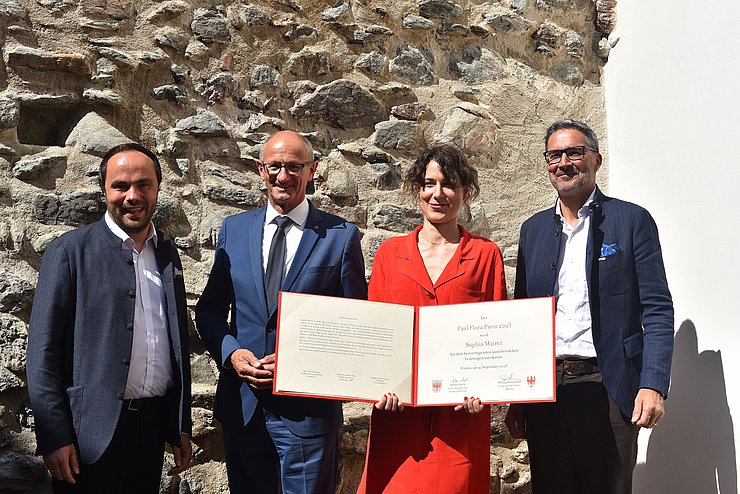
693, 449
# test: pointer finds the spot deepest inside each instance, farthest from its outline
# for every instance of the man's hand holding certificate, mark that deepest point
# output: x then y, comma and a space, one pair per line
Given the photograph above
356, 350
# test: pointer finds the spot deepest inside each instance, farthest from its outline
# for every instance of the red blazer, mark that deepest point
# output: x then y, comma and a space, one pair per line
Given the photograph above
474, 274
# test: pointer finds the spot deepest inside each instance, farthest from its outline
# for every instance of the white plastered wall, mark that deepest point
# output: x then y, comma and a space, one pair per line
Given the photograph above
673, 112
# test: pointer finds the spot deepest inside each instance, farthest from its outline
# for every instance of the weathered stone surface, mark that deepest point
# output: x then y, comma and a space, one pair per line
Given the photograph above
254, 16
387, 176
73, 63
118, 56
507, 22
111, 9
439, 9
104, 96
379, 30
546, 38
519, 6
210, 26
471, 128
34, 166
417, 22
219, 87
263, 75
11, 10
606, 15
76, 209
13, 340
94, 135
172, 37
409, 111
204, 123
16, 294
414, 64
19, 471
476, 65
54, 6
232, 195
395, 134
308, 63
574, 44
171, 92
336, 12
196, 49
54, 98
395, 218
167, 10
373, 62
300, 32
9, 114
567, 72
337, 178
343, 103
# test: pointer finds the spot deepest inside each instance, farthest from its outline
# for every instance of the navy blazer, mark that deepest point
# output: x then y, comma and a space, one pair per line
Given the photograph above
631, 307
328, 262
80, 337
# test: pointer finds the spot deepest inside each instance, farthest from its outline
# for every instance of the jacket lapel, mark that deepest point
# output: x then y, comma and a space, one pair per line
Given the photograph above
596, 235
412, 265
166, 269
455, 266
255, 228
311, 234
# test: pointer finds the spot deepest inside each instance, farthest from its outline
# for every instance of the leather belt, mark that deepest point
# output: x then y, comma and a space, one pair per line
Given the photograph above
141, 404
578, 367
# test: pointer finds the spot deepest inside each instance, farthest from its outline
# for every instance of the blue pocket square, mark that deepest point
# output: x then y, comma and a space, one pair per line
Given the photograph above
609, 250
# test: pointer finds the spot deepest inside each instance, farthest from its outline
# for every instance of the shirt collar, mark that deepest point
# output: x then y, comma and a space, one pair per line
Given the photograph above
583, 212
298, 214
125, 239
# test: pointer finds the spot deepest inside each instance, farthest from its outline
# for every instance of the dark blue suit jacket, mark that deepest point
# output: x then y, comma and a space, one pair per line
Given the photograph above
631, 307
80, 336
328, 262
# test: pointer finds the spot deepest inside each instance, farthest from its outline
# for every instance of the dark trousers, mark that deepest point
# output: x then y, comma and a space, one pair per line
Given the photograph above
581, 444
264, 457
132, 462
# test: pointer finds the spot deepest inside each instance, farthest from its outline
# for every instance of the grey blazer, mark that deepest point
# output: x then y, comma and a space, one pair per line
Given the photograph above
80, 337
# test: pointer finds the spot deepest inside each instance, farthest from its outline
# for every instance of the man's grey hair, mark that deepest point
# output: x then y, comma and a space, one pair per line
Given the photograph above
309, 147
591, 140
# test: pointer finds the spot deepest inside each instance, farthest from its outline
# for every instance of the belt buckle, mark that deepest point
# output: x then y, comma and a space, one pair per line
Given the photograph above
574, 367
132, 405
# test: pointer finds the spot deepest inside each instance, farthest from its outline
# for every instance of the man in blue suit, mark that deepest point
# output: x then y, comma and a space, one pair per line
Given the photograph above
108, 363
601, 258
269, 440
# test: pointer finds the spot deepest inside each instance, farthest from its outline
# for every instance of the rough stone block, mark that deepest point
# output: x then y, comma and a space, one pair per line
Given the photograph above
606, 15
204, 123
395, 134
232, 195
335, 13
13, 341
9, 114
73, 63
16, 293
507, 22
11, 10
568, 73
417, 22
172, 37
76, 209
439, 9
111, 9
308, 63
263, 75
395, 218
210, 26
414, 64
343, 103
373, 62
104, 96
33, 166
94, 135
476, 65
546, 38
218, 87
171, 92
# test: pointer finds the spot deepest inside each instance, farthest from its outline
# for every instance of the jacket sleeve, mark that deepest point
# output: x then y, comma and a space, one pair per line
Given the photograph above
376, 289
353, 267
656, 306
499, 281
50, 336
212, 309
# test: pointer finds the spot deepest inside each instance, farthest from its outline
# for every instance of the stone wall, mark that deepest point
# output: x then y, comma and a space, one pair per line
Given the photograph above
204, 82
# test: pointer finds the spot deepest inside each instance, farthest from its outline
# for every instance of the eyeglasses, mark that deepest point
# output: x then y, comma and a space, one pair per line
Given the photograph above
575, 153
291, 168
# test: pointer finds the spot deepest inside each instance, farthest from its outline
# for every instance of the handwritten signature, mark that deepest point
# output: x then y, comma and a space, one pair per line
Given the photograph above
508, 379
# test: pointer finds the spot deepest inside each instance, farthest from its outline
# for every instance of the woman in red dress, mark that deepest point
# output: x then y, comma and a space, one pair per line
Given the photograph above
434, 450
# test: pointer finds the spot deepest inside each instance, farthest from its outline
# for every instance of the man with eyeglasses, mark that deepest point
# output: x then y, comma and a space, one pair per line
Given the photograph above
274, 442
601, 258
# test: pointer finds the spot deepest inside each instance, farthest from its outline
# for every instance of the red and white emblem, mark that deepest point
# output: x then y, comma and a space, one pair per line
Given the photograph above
436, 386
531, 380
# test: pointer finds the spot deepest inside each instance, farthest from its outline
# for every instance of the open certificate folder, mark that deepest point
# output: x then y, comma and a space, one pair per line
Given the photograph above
346, 349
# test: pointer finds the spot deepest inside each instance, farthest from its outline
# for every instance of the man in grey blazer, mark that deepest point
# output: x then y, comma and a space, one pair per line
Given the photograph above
108, 361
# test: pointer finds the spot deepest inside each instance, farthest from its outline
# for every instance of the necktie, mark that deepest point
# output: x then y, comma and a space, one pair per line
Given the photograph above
276, 262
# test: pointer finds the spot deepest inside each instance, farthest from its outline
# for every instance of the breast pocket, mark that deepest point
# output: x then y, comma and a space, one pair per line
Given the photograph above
615, 273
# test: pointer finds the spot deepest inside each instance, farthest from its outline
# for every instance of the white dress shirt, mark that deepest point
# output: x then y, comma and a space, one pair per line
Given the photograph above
573, 335
293, 232
150, 368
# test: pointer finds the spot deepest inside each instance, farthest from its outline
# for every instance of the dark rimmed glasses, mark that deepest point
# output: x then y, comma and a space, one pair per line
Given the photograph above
574, 153
290, 168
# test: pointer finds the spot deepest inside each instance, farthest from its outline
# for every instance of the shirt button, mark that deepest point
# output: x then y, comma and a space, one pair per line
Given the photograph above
119, 396
552, 265
125, 360
270, 330
130, 326
132, 293
129, 261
